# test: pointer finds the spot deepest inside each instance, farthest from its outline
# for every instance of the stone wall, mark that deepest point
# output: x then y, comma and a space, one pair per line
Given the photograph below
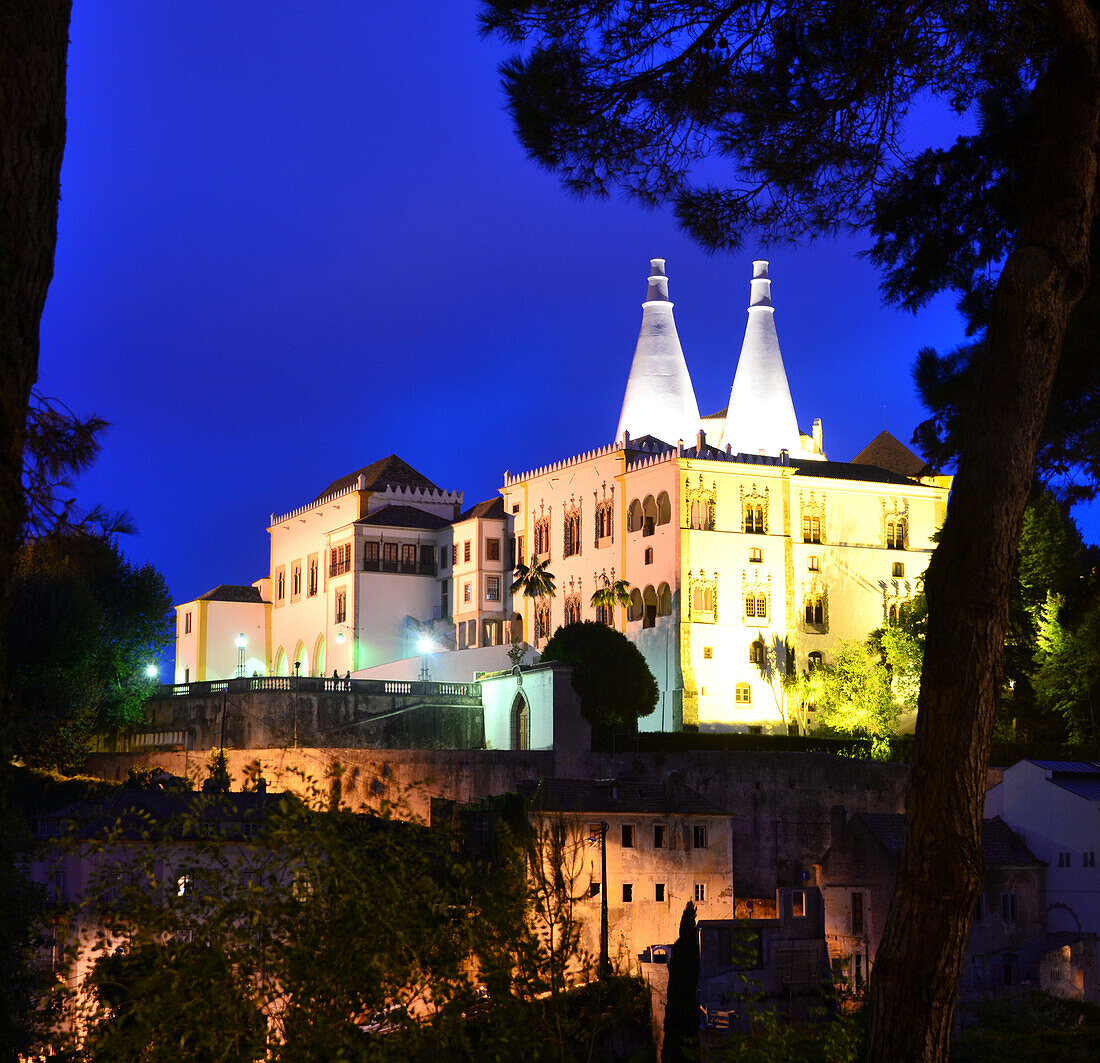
778, 802
348, 714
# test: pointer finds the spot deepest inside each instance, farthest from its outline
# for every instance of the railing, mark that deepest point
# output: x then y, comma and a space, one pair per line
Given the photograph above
319, 685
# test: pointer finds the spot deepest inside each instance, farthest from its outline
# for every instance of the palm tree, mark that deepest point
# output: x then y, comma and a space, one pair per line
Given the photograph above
612, 594
535, 580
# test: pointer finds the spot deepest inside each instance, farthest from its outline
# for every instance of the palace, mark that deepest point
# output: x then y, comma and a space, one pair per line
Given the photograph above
744, 551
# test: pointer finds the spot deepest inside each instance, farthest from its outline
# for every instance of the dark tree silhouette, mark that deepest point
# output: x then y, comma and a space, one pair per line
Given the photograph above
609, 672
681, 1043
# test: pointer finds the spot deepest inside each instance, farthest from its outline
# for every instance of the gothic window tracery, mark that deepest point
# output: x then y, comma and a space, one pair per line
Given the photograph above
703, 594
756, 597
815, 607
572, 608
541, 539
895, 523
700, 506
571, 539
605, 516
542, 618
754, 510
813, 517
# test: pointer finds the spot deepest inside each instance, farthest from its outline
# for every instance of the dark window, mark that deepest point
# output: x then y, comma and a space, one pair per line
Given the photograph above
660, 835
444, 556
492, 588
466, 550
371, 560
187, 623
492, 549
699, 836
628, 892
628, 835
659, 892
341, 612
857, 913
1009, 908
389, 557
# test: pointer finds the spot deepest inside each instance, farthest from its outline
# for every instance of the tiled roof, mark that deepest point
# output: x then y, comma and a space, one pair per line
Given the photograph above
403, 517
491, 508
137, 814
1001, 846
1078, 767
618, 795
1086, 786
891, 453
231, 592
386, 472
846, 470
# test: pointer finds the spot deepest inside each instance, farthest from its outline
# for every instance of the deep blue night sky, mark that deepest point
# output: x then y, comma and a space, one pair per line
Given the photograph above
297, 237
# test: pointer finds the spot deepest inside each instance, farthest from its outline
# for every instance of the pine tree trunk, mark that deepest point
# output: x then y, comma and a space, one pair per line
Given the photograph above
34, 39
915, 978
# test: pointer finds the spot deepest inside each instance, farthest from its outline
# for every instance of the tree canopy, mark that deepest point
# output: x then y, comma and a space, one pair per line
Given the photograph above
84, 624
609, 673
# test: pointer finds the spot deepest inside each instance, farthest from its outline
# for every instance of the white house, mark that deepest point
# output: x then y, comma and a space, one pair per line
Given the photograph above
1055, 806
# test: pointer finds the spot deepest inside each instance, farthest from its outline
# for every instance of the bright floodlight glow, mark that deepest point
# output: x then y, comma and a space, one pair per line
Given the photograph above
424, 644
151, 671
240, 641
340, 637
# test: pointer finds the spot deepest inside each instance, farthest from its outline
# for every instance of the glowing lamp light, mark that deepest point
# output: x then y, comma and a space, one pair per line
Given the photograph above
339, 638
151, 671
425, 644
240, 641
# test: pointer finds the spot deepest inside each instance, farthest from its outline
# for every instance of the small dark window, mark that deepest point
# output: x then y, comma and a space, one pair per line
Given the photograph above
857, 913
699, 836
628, 892
660, 836
628, 835
659, 893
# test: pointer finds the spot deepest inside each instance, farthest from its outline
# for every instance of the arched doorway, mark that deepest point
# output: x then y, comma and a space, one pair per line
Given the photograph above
521, 722
319, 656
282, 666
301, 660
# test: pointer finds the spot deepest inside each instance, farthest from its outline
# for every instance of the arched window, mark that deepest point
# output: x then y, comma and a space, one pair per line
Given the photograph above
301, 660
756, 555
282, 665
743, 694
703, 600
521, 723
895, 534
542, 535
754, 517
811, 529
635, 612
649, 602
573, 609
897, 570
634, 516
756, 652
649, 515
542, 619
572, 532
664, 600
605, 515
319, 656
816, 660
893, 614
664, 508
813, 563
702, 515
815, 611
756, 605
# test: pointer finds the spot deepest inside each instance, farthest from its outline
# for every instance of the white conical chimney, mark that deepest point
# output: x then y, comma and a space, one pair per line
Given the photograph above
760, 418
659, 399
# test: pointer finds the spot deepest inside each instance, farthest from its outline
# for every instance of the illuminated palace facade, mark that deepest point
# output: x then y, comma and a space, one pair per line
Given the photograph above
740, 544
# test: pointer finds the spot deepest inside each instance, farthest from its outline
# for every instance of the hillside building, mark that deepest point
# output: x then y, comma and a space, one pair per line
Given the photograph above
746, 551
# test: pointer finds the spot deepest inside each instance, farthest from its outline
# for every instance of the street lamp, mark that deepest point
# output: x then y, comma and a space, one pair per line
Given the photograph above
240, 642
425, 646
151, 671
